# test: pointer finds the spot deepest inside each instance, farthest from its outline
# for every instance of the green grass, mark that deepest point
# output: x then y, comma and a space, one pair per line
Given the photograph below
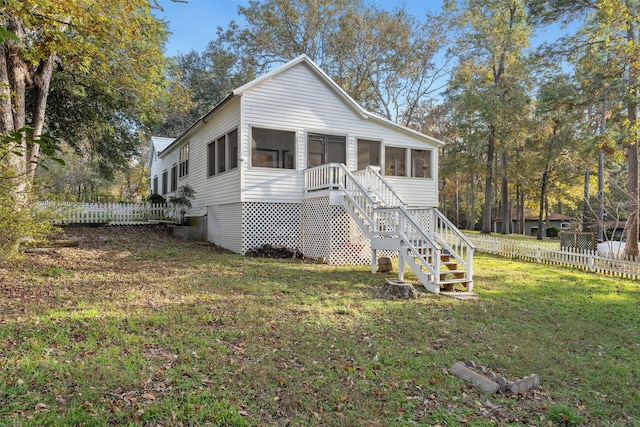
135, 328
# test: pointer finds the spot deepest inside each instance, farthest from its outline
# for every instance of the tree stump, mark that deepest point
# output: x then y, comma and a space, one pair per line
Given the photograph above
384, 264
399, 289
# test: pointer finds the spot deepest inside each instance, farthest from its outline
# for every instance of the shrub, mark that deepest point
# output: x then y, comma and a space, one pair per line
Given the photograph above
156, 199
553, 231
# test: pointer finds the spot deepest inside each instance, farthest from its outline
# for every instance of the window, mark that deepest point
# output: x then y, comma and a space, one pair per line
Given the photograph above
220, 155
211, 156
272, 148
368, 153
232, 140
184, 161
395, 161
421, 163
322, 149
165, 182
217, 159
174, 178
155, 184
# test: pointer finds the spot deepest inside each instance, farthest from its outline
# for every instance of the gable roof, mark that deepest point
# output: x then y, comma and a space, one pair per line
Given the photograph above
341, 93
158, 145
320, 73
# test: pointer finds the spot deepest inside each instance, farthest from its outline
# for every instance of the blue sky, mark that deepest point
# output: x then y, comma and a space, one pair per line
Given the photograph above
194, 24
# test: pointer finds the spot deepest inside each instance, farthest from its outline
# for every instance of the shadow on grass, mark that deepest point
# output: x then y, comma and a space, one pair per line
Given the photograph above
152, 330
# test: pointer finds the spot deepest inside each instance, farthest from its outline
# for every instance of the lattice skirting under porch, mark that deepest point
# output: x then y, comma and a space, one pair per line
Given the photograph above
327, 231
318, 229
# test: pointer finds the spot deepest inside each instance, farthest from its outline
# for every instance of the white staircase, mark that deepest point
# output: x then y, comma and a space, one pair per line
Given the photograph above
435, 250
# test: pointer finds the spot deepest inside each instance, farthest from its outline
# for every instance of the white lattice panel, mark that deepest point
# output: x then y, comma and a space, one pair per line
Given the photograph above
271, 223
348, 243
315, 227
424, 218
224, 226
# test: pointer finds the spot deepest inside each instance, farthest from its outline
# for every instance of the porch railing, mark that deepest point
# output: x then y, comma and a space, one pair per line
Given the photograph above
450, 238
372, 180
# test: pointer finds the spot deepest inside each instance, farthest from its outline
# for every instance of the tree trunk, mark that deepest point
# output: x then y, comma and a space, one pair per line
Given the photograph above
488, 182
521, 213
471, 221
631, 248
506, 209
42, 81
543, 191
586, 212
6, 116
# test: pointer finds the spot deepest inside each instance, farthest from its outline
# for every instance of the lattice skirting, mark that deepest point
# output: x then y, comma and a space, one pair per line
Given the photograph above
329, 232
318, 229
270, 223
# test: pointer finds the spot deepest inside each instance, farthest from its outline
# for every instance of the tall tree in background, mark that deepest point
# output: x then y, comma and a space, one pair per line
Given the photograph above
554, 147
385, 60
490, 82
610, 27
205, 79
112, 50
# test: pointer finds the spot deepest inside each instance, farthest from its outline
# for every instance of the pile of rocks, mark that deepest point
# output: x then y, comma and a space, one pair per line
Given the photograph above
491, 382
270, 251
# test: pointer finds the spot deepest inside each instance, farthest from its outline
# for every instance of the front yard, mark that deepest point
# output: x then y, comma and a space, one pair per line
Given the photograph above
134, 327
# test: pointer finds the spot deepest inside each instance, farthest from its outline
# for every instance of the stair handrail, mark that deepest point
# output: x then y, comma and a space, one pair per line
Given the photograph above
408, 238
462, 253
452, 227
379, 186
368, 209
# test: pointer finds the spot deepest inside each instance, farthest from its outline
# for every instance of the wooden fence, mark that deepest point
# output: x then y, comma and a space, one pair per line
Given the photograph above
545, 253
107, 213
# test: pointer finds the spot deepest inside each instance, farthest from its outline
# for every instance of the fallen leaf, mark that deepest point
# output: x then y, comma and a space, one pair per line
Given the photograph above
148, 396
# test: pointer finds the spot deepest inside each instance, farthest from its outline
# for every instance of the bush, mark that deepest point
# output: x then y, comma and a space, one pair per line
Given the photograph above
553, 232
156, 199
19, 221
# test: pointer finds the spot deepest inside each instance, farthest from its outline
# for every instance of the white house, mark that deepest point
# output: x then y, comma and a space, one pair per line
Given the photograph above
290, 159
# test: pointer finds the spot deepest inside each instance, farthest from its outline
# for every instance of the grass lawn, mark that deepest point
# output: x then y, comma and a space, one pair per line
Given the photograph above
136, 328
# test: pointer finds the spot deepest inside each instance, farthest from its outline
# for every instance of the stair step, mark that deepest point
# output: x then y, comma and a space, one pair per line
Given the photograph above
449, 285
454, 281
457, 274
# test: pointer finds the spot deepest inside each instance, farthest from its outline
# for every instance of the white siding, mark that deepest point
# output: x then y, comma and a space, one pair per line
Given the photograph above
161, 164
224, 226
219, 189
417, 192
299, 100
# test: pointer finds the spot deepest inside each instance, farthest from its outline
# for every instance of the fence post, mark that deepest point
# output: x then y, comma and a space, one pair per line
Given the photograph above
538, 255
591, 259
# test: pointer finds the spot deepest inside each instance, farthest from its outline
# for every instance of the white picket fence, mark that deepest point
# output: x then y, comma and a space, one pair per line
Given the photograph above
107, 213
543, 252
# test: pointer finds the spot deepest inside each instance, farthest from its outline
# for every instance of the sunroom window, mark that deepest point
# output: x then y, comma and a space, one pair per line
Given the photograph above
421, 163
368, 153
322, 149
272, 148
222, 153
395, 161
